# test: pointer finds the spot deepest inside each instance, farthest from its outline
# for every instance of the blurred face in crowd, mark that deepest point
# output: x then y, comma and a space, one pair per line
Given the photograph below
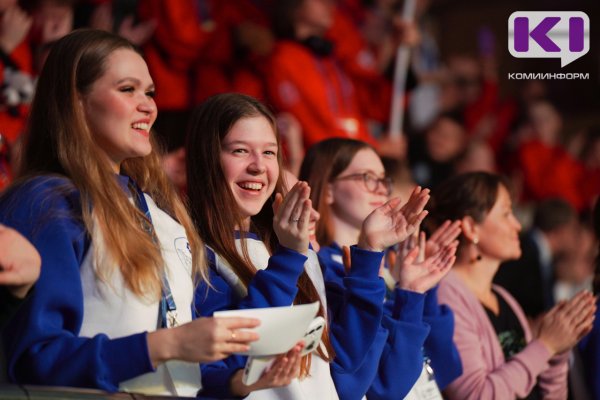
6, 4
445, 140
466, 76
249, 162
351, 196
578, 265
318, 14
478, 156
498, 233
546, 122
120, 109
566, 237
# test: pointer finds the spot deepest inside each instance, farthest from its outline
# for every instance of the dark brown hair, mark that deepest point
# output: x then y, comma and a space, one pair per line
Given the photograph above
470, 194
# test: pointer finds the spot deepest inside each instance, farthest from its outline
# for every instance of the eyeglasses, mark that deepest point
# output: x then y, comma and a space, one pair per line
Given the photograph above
370, 181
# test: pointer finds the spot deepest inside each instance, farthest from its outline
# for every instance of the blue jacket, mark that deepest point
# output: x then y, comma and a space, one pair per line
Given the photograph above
43, 345
350, 311
413, 324
589, 348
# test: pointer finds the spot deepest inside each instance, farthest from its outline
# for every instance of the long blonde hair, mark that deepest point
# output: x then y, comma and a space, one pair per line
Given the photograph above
58, 141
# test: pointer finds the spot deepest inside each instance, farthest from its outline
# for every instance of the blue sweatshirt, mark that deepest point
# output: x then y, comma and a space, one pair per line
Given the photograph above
354, 313
589, 348
42, 344
413, 324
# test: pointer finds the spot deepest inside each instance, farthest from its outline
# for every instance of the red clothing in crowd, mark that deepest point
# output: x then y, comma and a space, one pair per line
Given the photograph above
12, 121
374, 91
551, 172
317, 91
189, 50
249, 68
590, 185
488, 109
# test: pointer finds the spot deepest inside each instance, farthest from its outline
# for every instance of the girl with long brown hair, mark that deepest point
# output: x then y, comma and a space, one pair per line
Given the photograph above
112, 308
258, 247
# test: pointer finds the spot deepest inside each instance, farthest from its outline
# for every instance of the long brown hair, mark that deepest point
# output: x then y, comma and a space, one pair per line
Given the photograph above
58, 141
210, 195
322, 163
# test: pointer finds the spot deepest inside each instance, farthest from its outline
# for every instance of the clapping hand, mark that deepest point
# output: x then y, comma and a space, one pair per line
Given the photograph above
420, 266
567, 322
291, 218
393, 222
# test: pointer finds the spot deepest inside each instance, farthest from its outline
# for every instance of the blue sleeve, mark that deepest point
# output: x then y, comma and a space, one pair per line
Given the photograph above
402, 358
353, 386
439, 346
43, 344
272, 287
333, 272
589, 349
356, 311
275, 285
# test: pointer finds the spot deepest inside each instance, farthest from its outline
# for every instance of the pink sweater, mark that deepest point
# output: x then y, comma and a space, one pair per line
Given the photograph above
486, 374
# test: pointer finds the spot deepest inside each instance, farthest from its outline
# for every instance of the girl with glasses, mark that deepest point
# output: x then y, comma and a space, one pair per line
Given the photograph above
348, 182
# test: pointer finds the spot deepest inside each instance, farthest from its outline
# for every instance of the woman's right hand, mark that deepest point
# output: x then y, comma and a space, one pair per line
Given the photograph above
418, 271
291, 218
567, 322
202, 340
284, 369
393, 222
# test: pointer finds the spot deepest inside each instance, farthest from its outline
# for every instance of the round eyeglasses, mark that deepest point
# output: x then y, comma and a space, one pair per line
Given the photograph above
370, 181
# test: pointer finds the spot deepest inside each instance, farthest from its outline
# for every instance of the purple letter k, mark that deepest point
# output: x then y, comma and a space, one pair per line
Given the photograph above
539, 34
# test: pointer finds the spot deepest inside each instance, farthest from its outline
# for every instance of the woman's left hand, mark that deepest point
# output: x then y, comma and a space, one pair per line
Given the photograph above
413, 270
291, 218
284, 369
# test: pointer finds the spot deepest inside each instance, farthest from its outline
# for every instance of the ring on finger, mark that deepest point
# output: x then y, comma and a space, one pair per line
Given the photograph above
232, 335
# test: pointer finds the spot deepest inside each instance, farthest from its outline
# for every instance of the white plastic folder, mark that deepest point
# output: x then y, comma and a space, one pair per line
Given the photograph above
280, 327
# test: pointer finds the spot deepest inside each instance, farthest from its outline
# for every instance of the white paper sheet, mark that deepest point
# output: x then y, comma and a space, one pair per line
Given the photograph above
280, 327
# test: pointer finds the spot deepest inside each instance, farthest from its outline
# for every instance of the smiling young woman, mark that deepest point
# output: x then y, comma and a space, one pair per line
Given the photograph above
259, 254
112, 307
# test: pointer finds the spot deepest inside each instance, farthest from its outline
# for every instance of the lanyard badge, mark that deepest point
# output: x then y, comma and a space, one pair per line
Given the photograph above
167, 317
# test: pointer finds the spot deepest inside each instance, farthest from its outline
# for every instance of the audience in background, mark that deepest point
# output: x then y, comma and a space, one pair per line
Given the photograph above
530, 279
